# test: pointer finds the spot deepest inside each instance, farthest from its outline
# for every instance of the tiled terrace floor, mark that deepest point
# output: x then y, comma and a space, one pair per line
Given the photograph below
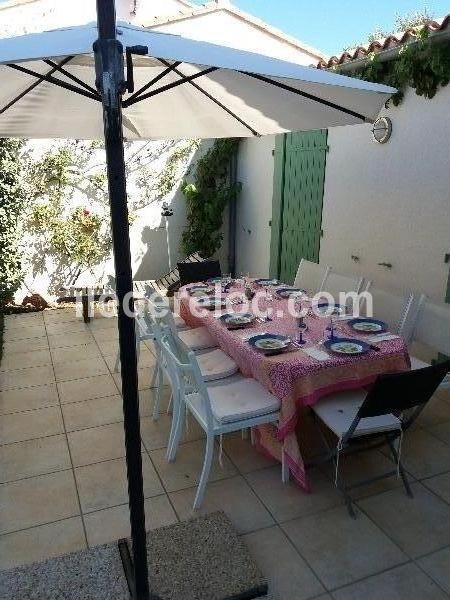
63, 482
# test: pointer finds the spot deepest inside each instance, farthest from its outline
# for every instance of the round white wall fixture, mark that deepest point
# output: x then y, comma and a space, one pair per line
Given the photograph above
382, 130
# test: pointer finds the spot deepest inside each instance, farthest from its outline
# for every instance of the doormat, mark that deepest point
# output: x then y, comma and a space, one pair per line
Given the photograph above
199, 559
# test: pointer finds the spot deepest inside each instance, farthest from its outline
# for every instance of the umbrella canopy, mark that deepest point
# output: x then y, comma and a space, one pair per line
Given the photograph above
185, 88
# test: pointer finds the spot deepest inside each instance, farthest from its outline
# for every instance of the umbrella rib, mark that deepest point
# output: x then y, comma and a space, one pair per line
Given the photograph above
72, 77
222, 106
169, 86
289, 88
55, 81
33, 85
155, 80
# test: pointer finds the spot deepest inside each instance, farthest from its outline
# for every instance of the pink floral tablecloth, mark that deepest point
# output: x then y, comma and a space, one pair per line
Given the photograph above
296, 378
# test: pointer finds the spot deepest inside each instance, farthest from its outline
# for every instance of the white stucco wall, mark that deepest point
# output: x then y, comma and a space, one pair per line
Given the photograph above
254, 208
391, 202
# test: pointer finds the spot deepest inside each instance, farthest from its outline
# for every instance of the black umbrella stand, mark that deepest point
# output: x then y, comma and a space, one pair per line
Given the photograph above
111, 84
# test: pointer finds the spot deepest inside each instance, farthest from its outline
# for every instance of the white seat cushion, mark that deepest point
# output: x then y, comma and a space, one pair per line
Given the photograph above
338, 411
416, 363
244, 398
215, 364
198, 338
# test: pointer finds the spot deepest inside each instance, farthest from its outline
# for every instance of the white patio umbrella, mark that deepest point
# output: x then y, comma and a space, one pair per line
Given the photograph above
59, 84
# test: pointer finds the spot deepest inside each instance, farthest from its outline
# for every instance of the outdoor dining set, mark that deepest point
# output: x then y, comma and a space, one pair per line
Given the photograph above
248, 354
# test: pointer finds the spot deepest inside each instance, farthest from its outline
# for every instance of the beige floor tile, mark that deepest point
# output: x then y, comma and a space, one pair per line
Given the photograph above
442, 432
91, 413
37, 500
437, 567
288, 501
288, 576
146, 359
28, 398
24, 333
39, 343
436, 411
23, 360
114, 523
106, 335
341, 550
18, 427
155, 434
423, 455
406, 581
245, 456
88, 367
39, 543
361, 466
186, 470
26, 377
109, 348
97, 444
87, 389
76, 353
34, 457
24, 319
103, 323
67, 327
418, 525
234, 496
440, 485
63, 340
105, 484
144, 377
61, 314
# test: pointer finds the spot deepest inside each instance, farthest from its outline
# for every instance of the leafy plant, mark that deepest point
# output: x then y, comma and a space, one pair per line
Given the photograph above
207, 196
13, 196
422, 65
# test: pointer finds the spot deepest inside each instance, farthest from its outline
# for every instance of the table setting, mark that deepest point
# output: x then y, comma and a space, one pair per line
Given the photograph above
299, 357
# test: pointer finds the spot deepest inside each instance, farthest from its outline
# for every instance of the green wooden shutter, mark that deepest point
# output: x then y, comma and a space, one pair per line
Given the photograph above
302, 183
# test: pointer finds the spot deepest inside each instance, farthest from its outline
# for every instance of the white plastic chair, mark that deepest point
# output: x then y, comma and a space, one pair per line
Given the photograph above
395, 310
431, 329
336, 284
143, 332
214, 364
227, 407
311, 276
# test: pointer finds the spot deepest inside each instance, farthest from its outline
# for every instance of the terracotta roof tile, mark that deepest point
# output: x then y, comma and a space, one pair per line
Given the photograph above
392, 41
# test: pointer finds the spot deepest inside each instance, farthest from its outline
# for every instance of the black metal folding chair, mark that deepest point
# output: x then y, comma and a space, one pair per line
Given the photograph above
365, 420
198, 271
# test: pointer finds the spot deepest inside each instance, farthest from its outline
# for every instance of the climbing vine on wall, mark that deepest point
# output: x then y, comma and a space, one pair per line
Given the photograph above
423, 66
13, 196
207, 196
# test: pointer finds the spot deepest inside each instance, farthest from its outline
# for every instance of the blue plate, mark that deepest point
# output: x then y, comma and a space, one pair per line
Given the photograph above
262, 343
237, 320
368, 325
198, 289
347, 346
323, 307
288, 292
267, 282
212, 302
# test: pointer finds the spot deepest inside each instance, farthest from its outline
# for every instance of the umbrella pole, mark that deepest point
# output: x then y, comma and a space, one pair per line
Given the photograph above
110, 82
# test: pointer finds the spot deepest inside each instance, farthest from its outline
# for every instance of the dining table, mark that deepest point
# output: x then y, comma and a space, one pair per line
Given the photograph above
300, 376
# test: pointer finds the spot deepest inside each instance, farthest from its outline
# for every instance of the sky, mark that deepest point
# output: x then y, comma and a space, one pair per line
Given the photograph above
331, 25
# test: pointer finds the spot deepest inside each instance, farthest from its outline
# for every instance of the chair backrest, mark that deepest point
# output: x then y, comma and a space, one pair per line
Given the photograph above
185, 374
337, 283
432, 325
397, 393
395, 310
198, 271
310, 276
